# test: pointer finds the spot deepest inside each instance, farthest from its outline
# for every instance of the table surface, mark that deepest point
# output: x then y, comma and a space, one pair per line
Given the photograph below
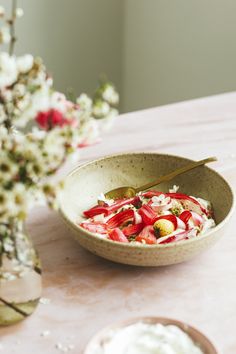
87, 293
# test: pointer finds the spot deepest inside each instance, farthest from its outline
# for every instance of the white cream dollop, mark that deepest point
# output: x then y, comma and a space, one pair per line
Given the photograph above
144, 338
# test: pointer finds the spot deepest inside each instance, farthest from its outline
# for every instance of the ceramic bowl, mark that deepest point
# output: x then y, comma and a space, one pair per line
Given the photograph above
197, 337
86, 182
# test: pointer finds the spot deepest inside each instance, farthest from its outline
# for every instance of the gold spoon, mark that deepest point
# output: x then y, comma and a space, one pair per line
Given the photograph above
127, 192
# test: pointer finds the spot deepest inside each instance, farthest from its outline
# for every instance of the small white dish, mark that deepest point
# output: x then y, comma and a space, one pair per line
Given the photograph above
198, 338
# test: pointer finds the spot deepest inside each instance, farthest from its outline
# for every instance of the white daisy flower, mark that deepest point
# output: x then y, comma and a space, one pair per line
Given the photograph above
160, 200
161, 203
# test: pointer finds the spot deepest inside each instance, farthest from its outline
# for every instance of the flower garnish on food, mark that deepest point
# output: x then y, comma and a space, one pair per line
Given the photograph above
151, 217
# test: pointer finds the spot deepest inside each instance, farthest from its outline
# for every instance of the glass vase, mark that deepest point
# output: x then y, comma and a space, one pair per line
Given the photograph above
20, 274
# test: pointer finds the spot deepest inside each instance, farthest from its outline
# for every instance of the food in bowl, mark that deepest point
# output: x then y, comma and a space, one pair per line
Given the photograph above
151, 217
148, 338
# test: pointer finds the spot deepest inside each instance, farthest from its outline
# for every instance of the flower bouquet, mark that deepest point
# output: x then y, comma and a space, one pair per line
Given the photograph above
39, 129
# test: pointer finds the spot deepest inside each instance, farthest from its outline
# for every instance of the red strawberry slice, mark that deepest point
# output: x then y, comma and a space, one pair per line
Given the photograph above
95, 227
133, 229
185, 235
120, 218
117, 235
147, 235
148, 214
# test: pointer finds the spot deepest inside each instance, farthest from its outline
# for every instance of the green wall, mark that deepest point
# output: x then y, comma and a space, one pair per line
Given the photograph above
177, 49
78, 39
156, 51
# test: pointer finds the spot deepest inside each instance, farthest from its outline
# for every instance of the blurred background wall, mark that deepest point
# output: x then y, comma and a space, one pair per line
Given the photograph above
177, 49
156, 51
78, 39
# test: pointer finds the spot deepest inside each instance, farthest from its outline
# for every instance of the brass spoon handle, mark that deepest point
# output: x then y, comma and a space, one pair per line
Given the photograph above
177, 172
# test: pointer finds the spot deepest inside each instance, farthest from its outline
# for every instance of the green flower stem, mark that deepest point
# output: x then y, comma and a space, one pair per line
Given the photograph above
12, 27
13, 307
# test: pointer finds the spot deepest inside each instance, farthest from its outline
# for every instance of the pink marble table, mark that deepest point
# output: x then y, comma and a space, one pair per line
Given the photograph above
87, 293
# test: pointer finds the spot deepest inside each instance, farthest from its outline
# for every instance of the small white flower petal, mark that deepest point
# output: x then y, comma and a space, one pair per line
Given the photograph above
25, 63
174, 189
44, 301
45, 333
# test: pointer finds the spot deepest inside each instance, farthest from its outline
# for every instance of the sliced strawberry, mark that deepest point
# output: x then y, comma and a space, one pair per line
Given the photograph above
117, 235
133, 229
148, 215
189, 202
95, 227
184, 235
109, 209
98, 209
147, 235
120, 218
192, 201
151, 193
197, 219
185, 216
122, 202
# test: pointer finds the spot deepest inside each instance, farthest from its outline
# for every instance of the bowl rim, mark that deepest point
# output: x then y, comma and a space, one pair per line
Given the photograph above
76, 227
203, 339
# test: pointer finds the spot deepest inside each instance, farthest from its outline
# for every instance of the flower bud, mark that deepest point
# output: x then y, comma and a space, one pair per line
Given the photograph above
5, 36
2, 11
19, 12
25, 63
100, 109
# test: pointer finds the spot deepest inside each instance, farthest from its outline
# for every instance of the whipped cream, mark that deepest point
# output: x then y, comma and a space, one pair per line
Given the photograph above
144, 338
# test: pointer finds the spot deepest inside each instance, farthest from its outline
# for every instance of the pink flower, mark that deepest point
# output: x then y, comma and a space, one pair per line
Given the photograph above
52, 118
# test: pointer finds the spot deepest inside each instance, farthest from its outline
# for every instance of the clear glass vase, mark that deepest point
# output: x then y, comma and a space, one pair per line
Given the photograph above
20, 274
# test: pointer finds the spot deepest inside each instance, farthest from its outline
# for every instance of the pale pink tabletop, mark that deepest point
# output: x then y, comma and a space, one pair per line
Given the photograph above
87, 293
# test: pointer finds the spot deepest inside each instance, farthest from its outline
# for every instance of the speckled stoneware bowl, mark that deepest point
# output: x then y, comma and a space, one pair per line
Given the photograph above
86, 182
197, 337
